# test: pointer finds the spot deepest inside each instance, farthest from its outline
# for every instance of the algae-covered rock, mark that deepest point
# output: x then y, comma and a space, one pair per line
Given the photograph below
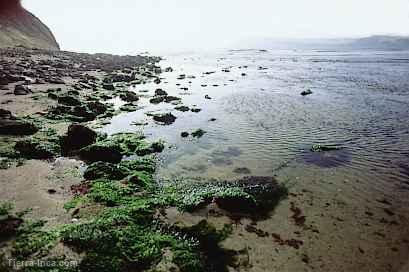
99, 170
323, 148
101, 152
249, 196
10, 125
43, 145
198, 133
113, 148
165, 119
129, 96
17, 127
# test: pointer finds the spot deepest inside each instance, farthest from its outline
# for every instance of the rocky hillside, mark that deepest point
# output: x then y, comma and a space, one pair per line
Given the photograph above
18, 27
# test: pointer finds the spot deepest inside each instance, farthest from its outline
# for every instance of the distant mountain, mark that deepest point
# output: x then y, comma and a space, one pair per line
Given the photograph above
382, 42
368, 43
18, 27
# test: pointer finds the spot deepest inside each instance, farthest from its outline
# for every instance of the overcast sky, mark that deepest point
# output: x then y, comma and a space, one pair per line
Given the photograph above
169, 25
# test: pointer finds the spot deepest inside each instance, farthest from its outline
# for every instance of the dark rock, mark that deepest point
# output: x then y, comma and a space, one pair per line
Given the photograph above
9, 226
10, 126
207, 97
169, 98
198, 133
100, 152
160, 92
36, 149
108, 87
55, 80
157, 81
5, 114
22, 90
68, 100
184, 134
196, 110
168, 69
78, 136
166, 119
157, 99
242, 170
212, 119
129, 96
306, 92
182, 108
323, 148
264, 193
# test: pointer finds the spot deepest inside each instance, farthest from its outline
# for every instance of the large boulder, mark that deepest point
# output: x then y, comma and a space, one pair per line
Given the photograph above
78, 136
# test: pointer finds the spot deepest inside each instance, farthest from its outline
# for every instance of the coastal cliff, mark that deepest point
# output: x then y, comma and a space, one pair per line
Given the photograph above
18, 27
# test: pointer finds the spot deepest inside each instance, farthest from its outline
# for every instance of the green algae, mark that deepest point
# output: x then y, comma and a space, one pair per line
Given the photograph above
32, 240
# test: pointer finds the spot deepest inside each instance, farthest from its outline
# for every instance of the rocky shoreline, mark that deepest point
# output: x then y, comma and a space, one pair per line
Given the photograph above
113, 215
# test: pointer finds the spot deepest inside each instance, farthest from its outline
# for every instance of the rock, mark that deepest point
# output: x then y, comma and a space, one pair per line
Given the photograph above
5, 114
101, 170
100, 152
37, 149
160, 92
129, 107
129, 96
78, 136
157, 100
323, 148
243, 74
157, 81
166, 119
307, 92
198, 133
242, 170
207, 97
55, 80
10, 125
184, 134
168, 69
9, 226
68, 100
196, 110
182, 108
261, 195
108, 86
121, 77
169, 98
212, 119
22, 90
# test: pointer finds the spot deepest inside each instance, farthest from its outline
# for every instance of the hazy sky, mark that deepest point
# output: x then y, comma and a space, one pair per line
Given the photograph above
167, 25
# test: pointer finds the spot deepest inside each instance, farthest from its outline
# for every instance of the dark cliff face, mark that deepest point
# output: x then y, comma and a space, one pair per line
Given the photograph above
18, 27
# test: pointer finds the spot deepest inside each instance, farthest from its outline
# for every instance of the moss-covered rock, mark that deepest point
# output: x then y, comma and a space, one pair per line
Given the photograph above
102, 152
43, 145
10, 125
323, 148
99, 170
198, 133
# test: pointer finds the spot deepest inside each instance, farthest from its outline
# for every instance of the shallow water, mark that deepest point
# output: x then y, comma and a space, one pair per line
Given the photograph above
360, 102
263, 126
